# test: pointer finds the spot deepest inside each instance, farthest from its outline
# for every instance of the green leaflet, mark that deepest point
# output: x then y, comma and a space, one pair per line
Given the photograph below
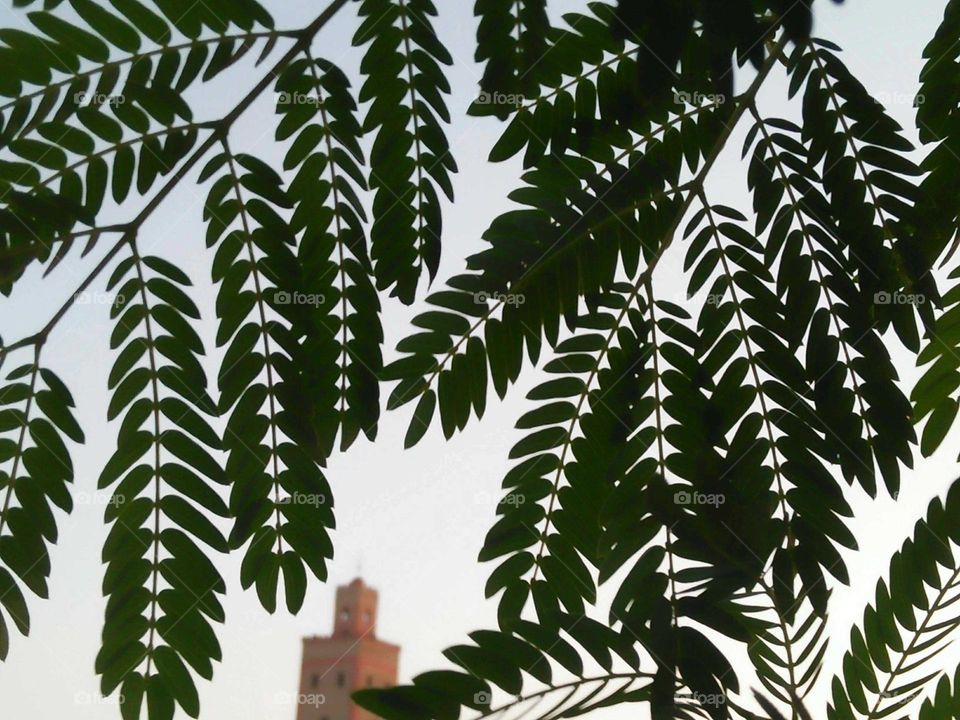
159, 499
851, 134
36, 417
410, 160
937, 125
562, 482
319, 121
276, 326
744, 312
946, 700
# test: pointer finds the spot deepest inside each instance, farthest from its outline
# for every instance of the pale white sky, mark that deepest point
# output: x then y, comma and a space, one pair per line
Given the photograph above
414, 521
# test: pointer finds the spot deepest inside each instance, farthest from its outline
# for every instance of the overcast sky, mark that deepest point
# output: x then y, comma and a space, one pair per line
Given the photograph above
410, 522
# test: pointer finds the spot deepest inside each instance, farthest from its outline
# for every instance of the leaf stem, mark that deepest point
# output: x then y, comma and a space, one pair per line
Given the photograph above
417, 143
328, 136
155, 390
265, 337
661, 452
137, 57
568, 440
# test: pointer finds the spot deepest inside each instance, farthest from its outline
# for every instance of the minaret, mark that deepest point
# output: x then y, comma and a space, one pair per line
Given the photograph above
350, 659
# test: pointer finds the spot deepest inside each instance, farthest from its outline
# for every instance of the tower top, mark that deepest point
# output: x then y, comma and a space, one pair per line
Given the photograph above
350, 659
355, 611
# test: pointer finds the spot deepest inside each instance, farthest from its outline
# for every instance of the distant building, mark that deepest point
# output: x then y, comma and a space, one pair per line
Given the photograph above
350, 659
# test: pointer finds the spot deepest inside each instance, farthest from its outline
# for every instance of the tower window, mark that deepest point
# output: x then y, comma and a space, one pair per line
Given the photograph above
345, 614
369, 681
314, 680
341, 679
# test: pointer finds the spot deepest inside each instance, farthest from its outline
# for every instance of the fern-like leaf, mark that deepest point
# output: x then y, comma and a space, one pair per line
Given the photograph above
522, 664
319, 116
410, 159
910, 622
512, 40
162, 589
35, 475
279, 498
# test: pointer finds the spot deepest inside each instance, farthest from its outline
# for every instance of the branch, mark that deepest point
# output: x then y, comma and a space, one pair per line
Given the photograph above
693, 186
222, 129
697, 184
